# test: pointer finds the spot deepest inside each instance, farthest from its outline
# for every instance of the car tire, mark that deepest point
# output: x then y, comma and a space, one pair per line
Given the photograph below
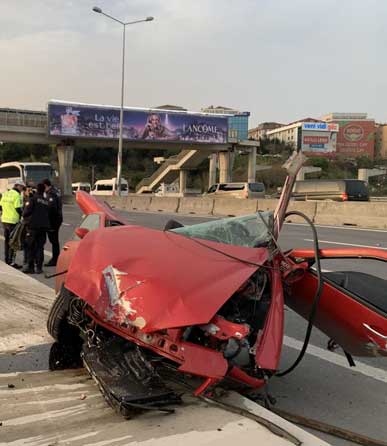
57, 324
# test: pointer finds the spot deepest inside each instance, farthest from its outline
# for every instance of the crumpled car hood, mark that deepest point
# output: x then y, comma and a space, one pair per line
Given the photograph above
132, 275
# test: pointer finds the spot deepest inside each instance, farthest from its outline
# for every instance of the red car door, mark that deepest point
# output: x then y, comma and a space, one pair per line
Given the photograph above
353, 306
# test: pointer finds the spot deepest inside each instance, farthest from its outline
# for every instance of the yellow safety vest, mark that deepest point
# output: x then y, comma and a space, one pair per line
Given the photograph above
10, 201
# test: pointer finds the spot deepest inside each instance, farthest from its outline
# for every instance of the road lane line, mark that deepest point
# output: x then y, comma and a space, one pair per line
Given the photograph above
338, 227
344, 244
341, 361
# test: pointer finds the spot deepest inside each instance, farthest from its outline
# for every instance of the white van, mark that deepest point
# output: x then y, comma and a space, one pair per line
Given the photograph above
109, 187
237, 190
86, 187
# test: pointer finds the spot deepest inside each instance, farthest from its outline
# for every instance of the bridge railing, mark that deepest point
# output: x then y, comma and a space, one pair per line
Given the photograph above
15, 119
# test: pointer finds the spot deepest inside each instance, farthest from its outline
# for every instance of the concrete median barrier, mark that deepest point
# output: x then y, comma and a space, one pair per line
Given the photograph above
267, 204
309, 208
140, 203
233, 207
360, 214
200, 205
165, 204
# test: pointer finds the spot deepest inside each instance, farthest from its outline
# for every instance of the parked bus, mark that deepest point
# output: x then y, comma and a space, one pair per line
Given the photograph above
30, 173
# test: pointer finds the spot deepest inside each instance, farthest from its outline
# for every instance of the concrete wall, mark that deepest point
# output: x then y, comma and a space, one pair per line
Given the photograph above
361, 214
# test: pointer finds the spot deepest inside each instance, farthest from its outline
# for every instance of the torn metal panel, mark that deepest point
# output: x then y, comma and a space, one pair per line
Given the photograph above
164, 279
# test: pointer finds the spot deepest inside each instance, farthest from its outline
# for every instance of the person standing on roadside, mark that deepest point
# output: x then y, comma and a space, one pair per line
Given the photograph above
36, 219
27, 194
11, 206
56, 218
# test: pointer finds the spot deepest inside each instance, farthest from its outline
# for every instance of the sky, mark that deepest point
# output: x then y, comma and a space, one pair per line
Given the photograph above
279, 59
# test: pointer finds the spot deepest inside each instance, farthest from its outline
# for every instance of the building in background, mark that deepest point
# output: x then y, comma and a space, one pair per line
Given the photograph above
311, 136
261, 130
171, 107
238, 122
219, 109
381, 141
289, 133
356, 136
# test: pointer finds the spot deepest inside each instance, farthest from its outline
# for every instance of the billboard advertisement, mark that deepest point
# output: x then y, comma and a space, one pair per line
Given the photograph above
322, 142
356, 138
91, 121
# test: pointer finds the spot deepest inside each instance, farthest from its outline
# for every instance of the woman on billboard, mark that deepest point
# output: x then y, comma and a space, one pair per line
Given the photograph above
155, 130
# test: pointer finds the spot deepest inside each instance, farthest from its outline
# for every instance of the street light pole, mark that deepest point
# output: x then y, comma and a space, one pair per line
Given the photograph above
119, 156
120, 138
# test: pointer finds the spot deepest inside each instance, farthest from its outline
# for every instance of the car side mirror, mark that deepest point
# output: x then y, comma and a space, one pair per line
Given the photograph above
81, 232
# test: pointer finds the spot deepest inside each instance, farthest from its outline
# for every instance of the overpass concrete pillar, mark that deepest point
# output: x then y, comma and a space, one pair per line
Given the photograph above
212, 170
183, 181
65, 159
224, 167
252, 167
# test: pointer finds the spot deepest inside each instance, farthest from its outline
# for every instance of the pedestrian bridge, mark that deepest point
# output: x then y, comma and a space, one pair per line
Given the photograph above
31, 127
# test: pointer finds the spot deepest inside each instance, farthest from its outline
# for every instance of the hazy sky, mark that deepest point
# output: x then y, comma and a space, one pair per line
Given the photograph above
279, 59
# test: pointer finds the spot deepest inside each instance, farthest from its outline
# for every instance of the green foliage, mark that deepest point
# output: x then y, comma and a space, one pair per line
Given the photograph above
25, 152
323, 163
275, 147
364, 162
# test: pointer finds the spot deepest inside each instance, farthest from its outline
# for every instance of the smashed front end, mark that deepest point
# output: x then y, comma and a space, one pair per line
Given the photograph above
204, 301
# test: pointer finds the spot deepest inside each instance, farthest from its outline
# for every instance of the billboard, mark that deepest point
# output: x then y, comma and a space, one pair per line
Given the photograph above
322, 141
356, 138
315, 126
91, 121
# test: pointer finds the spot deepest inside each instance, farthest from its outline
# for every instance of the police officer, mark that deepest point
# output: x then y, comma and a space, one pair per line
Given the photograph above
36, 219
56, 219
11, 205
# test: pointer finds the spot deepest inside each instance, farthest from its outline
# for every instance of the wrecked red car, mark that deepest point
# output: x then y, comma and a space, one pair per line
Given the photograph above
141, 308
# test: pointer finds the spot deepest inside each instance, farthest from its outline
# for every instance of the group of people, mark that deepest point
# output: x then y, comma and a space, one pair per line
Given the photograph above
40, 213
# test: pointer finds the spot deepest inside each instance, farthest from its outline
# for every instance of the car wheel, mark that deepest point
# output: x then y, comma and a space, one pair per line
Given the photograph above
57, 324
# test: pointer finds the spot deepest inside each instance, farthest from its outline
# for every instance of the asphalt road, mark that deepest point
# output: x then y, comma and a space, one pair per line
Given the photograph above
323, 386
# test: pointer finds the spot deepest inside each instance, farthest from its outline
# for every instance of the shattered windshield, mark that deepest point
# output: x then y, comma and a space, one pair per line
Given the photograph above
251, 231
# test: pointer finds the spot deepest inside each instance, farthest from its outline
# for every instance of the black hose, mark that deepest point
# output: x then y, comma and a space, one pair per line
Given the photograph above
316, 300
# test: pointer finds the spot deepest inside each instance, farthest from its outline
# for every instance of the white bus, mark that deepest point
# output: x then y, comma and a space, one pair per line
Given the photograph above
30, 173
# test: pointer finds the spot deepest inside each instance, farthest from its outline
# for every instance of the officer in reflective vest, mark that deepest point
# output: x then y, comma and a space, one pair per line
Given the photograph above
11, 204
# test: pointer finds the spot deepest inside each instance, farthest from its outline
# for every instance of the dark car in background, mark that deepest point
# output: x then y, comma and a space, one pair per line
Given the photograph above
335, 190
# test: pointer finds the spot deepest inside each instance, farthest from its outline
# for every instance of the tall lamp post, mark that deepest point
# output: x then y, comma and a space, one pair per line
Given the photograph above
124, 25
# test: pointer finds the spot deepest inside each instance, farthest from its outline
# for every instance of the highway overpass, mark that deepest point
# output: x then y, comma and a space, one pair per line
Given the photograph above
31, 127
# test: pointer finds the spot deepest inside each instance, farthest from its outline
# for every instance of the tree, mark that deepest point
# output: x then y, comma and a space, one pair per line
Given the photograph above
364, 162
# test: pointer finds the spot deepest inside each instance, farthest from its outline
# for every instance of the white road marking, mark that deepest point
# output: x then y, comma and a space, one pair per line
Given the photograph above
341, 361
344, 244
67, 224
350, 228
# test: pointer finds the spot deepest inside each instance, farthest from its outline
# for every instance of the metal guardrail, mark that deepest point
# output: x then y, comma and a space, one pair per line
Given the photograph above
378, 199
23, 119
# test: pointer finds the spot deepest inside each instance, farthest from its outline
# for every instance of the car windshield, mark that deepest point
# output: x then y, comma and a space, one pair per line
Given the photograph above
250, 230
